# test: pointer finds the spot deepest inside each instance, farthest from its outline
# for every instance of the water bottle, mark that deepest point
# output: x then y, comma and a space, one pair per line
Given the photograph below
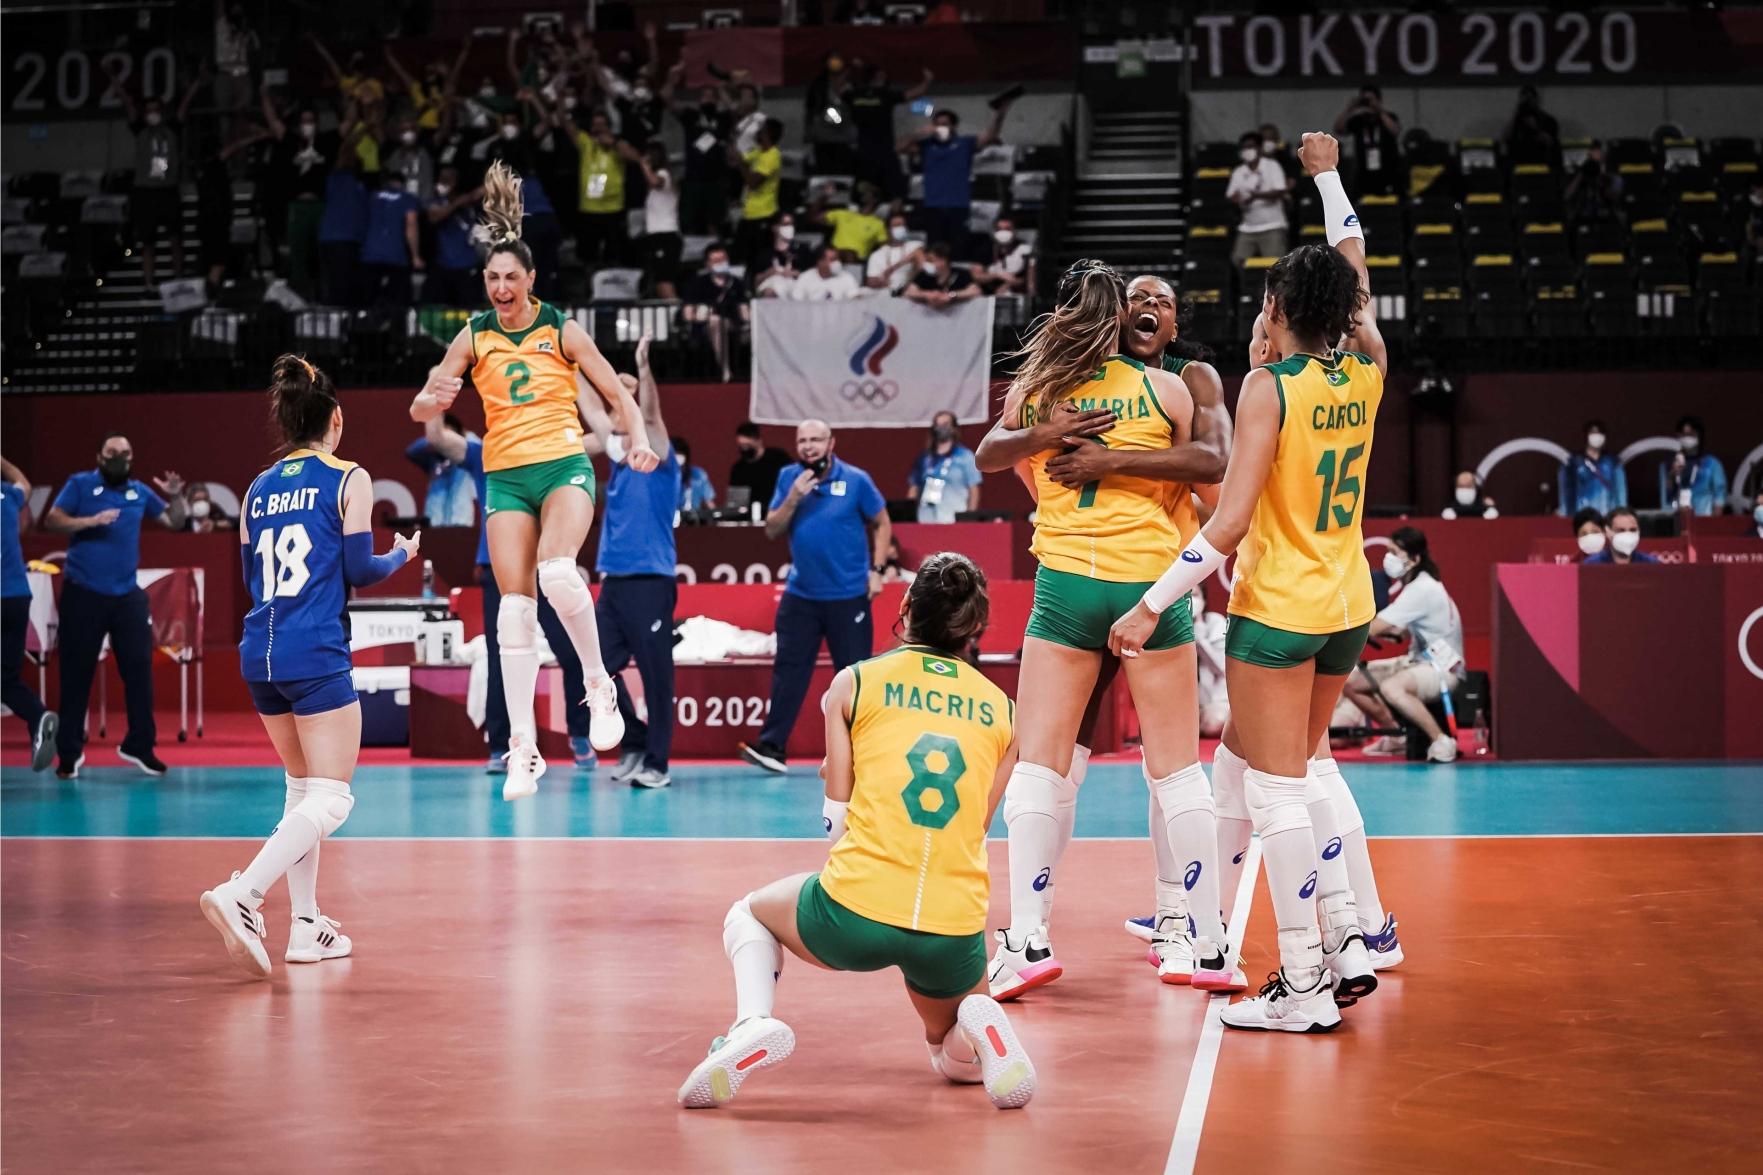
428, 579
1479, 739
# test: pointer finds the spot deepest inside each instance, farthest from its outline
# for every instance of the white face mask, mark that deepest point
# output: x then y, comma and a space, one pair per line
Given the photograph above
615, 449
1625, 541
944, 133
1592, 543
1465, 495
1757, 198
1269, 146
719, 268
155, 118
309, 129
786, 232
897, 233
408, 138
834, 268
1249, 154
1689, 444
1595, 440
443, 189
510, 131
927, 267
1003, 236
641, 94
1394, 565
201, 508
486, 91
569, 101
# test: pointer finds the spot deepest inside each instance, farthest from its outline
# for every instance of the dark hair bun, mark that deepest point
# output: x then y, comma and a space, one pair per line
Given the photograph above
301, 399
946, 607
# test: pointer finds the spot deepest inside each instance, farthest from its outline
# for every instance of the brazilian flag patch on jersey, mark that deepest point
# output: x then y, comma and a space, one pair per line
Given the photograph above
292, 468
1336, 379
941, 666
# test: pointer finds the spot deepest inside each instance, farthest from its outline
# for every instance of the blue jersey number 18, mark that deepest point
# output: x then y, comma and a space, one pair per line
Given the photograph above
283, 554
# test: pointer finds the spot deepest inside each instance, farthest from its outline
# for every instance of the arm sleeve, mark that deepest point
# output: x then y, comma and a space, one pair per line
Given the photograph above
363, 568
870, 499
155, 504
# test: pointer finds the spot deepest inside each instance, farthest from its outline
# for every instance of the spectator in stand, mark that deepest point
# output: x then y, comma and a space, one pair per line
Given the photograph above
1258, 186
714, 299
944, 480
1589, 532
1622, 532
947, 159
535, 155
15, 620
1468, 500
1592, 477
642, 106
391, 247
837, 523
341, 230
939, 283
857, 230
357, 83
893, 265
453, 278
661, 244
437, 89
102, 511
1533, 135
1694, 480
410, 159
757, 466
1422, 610
1593, 193
760, 170
451, 499
303, 161
772, 271
214, 207
695, 490
234, 42
1011, 267
1375, 132
1754, 218
202, 516
828, 281
1274, 147
749, 120
872, 104
708, 179
601, 229
829, 125
156, 202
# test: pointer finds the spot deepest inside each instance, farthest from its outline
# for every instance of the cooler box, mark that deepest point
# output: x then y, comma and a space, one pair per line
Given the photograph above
385, 704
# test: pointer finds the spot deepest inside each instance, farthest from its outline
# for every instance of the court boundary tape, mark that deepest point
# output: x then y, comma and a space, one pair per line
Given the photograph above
1184, 1148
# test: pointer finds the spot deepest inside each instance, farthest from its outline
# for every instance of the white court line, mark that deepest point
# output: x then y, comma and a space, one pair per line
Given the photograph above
1185, 1147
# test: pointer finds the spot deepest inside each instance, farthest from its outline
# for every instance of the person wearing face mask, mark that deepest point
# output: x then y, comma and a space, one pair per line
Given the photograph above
759, 170
1258, 186
1694, 480
1423, 610
757, 464
896, 262
155, 203
945, 478
638, 590
1274, 147
940, 284
1622, 533
201, 514
695, 491
41, 722
101, 510
408, 157
391, 246
1468, 500
857, 231
452, 213
749, 120
1589, 532
706, 125
946, 156
715, 302
772, 270
302, 167
436, 88
1374, 131
1010, 269
1592, 478
661, 243
601, 227
828, 281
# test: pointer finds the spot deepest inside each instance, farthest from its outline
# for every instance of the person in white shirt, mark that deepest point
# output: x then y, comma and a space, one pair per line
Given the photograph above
828, 281
661, 241
892, 265
1425, 612
1011, 268
1468, 500
1209, 632
749, 119
1258, 185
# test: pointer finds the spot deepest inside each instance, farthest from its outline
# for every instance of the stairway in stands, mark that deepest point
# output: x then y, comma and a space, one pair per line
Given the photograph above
1129, 208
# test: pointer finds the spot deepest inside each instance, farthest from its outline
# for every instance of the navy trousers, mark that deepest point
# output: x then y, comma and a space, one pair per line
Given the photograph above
21, 699
849, 632
87, 617
575, 692
635, 615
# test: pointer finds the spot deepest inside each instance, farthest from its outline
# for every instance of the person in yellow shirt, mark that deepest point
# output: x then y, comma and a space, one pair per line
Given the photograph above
761, 170
1301, 603
525, 358
919, 746
601, 228
858, 231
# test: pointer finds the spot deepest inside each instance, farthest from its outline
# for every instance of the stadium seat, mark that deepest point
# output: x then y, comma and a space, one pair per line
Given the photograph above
1536, 190
998, 159
1558, 309
1439, 310
1727, 306
1209, 243
1251, 284
1389, 288
1676, 154
1029, 189
1700, 216
830, 190
617, 284
1609, 291
1381, 219
1213, 156
1487, 225
1624, 156
1497, 296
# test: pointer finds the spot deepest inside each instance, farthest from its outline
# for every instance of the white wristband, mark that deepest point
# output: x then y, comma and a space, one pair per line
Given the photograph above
1198, 560
1338, 217
832, 817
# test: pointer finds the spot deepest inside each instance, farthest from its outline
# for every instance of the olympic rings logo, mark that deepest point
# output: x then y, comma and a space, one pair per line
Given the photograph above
876, 393
1745, 657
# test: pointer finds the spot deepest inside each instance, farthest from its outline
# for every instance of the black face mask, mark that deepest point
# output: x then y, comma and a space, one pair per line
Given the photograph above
115, 470
942, 432
749, 454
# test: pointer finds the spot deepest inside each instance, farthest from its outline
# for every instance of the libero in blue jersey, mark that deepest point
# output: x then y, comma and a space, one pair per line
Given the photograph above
306, 537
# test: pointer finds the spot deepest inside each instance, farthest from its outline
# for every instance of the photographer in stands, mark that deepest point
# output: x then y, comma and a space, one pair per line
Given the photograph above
1424, 612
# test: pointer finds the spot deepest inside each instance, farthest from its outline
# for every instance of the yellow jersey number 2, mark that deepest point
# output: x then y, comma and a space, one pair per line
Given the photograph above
518, 375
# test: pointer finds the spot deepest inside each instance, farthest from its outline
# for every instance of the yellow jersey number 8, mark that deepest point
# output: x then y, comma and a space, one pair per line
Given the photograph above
518, 375
925, 781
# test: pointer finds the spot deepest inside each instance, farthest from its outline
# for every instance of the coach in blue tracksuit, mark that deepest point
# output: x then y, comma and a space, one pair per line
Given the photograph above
101, 510
839, 533
637, 585
15, 620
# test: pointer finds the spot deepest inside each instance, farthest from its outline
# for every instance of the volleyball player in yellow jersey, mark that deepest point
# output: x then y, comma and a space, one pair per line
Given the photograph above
523, 356
1099, 545
918, 749
1301, 603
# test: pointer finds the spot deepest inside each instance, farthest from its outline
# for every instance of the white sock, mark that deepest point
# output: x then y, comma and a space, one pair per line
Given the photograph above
292, 839
1357, 853
1234, 825
958, 1048
517, 633
1171, 899
1288, 848
757, 959
1066, 815
1193, 838
302, 874
561, 581
1331, 863
1030, 816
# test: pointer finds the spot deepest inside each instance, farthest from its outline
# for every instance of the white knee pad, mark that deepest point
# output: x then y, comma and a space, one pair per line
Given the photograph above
561, 581
1227, 784
296, 791
740, 929
1333, 784
1036, 790
327, 804
517, 624
1276, 802
1183, 792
